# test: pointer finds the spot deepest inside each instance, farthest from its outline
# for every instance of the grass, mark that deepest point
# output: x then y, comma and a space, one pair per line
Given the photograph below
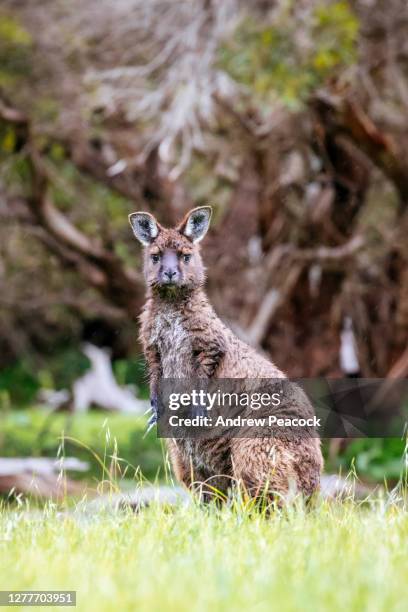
334, 556
36, 432
337, 556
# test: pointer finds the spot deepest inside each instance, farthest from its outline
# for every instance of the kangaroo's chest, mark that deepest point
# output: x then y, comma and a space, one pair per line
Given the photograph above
173, 341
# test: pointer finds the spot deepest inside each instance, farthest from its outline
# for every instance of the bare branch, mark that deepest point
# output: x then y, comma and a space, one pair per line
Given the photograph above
99, 266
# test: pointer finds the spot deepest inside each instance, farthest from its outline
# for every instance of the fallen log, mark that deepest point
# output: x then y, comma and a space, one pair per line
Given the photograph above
40, 476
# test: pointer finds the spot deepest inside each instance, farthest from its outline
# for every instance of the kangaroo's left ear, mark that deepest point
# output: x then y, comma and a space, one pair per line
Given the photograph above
196, 223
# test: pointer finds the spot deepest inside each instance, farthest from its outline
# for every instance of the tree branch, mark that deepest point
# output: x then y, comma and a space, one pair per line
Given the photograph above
346, 115
97, 264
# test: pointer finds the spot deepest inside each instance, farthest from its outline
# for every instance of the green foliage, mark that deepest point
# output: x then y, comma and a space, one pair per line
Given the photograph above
287, 60
8, 140
15, 170
132, 372
375, 459
204, 185
26, 433
23, 380
46, 110
12, 32
20, 382
66, 366
15, 45
97, 210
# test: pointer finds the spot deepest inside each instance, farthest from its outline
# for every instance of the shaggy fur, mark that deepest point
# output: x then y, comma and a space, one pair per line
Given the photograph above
183, 337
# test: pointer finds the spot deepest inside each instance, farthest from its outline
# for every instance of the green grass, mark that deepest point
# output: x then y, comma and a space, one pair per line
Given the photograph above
334, 557
34, 432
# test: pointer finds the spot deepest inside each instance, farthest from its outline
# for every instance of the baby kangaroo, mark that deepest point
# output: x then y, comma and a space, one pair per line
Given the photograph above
182, 337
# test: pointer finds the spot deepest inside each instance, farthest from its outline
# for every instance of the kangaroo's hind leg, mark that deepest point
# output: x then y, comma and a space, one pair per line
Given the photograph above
277, 468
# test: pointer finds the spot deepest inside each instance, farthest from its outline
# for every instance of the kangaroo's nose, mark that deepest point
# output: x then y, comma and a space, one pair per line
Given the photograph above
169, 274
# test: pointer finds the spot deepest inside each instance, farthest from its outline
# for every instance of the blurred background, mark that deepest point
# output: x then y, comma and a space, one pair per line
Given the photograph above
289, 117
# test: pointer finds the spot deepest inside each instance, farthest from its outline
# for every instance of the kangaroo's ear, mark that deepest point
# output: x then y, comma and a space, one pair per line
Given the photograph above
196, 223
145, 227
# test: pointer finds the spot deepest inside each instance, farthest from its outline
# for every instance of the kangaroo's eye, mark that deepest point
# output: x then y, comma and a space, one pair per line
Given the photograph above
155, 258
186, 257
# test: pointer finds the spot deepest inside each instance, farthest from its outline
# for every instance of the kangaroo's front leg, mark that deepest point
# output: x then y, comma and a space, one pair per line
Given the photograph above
207, 354
198, 480
153, 359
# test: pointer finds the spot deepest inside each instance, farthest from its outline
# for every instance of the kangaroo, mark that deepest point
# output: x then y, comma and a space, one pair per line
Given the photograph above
183, 337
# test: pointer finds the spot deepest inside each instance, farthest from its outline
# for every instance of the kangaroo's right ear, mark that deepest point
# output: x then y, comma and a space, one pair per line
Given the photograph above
145, 227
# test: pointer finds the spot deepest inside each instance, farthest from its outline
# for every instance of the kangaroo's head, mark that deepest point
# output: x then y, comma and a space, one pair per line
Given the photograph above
172, 263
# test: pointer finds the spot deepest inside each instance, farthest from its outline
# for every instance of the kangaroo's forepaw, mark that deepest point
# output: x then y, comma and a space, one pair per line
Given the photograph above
154, 414
154, 404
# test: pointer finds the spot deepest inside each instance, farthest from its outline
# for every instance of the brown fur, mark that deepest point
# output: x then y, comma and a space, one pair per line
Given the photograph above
183, 337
